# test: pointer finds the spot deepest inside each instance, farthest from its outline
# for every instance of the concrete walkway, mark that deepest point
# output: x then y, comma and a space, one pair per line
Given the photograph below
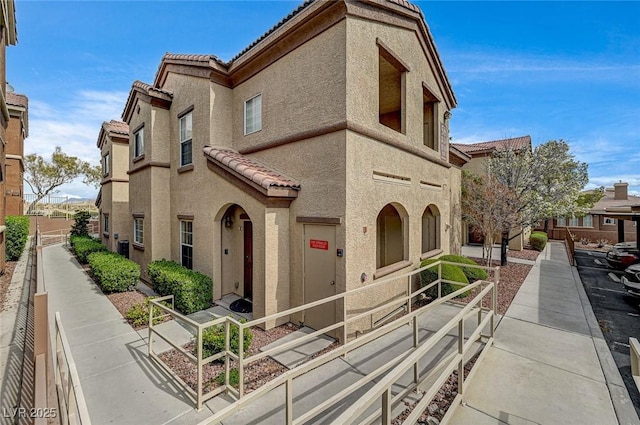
550, 363
121, 385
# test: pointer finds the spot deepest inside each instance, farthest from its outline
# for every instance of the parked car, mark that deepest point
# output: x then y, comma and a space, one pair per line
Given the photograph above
631, 280
623, 254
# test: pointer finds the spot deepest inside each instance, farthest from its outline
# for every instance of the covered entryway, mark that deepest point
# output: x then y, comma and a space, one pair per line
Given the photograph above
319, 274
237, 252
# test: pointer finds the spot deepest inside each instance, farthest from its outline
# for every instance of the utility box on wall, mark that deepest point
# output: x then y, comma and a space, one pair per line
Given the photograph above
123, 248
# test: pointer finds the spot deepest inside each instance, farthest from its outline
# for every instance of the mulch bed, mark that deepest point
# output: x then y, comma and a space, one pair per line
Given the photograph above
256, 373
5, 282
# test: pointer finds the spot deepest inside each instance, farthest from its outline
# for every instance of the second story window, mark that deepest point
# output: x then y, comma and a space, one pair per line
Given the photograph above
105, 164
105, 223
186, 143
253, 115
138, 143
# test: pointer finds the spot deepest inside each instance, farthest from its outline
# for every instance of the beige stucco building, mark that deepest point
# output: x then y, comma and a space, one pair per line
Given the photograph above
113, 198
478, 154
316, 161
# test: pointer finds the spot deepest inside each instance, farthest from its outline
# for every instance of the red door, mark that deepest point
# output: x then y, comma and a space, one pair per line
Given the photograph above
248, 260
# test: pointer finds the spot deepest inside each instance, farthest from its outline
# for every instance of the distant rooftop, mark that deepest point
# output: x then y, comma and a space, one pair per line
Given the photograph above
517, 143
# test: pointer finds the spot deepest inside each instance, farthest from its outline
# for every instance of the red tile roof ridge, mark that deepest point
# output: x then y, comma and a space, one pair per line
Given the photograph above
148, 87
514, 142
17, 99
118, 127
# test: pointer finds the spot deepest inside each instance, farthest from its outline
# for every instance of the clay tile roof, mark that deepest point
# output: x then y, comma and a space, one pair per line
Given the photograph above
523, 142
117, 127
149, 88
273, 28
249, 168
193, 58
17, 100
406, 5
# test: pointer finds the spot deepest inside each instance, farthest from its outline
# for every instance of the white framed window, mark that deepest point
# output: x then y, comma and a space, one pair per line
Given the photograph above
587, 221
105, 164
186, 243
561, 222
186, 143
608, 221
138, 143
138, 230
105, 223
573, 222
253, 114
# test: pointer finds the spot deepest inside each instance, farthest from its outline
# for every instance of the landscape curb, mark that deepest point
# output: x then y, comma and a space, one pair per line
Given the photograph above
622, 405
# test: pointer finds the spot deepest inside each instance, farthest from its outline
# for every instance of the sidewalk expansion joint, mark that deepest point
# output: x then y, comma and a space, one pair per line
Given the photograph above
553, 366
486, 414
87, 377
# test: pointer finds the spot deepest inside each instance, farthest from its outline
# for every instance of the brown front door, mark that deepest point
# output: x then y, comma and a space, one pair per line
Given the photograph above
248, 259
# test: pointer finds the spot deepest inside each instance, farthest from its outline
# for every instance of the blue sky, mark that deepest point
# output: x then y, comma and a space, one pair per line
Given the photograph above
552, 70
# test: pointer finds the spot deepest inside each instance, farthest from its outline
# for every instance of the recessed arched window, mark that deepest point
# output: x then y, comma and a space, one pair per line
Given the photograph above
390, 237
430, 229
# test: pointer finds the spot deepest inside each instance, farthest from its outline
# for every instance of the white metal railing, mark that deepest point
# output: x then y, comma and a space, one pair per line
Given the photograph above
635, 360
287, 378
71, 403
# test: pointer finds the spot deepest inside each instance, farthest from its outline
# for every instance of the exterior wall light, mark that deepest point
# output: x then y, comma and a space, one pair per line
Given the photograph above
228, 222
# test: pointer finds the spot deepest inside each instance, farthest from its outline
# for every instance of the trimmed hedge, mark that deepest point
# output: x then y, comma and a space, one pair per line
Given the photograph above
192, 291
538, 240
449, 272
471, 273
213, 340
114, 272
138, 314
84, 245
16, 233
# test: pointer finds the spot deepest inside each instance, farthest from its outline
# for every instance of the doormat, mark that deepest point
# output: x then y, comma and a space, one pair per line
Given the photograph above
241, 306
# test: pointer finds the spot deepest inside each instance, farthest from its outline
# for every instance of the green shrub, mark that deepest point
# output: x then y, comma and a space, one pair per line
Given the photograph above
85, 245
234, 377
138, 314
538, 240
81, 225
17, 233
449, 272
192, 291
213, 339
114, 272
471, 273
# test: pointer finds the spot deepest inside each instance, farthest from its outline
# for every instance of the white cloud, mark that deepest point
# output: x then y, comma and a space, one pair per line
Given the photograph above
73, 125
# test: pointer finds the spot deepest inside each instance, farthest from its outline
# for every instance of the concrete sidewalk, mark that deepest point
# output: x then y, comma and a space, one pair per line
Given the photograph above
550, 363
120, 383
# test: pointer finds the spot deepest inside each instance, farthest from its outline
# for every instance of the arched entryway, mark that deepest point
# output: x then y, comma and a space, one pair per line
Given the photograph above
237, 252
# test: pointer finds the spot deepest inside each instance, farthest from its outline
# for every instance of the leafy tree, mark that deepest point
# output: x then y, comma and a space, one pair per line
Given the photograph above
486, 206
44, 177
546, 182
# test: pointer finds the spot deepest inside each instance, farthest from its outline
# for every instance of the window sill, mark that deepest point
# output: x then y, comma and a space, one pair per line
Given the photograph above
387, 270
138, 158
429, 254
138, 246
185, 168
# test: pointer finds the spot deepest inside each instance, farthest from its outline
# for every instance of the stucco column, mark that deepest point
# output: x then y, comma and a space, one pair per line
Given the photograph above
276, 262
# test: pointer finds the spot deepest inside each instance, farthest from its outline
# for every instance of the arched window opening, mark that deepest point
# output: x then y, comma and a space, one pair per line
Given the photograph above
430, 229
390, 237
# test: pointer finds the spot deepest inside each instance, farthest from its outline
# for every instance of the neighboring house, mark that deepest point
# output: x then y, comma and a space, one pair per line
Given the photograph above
113, 198
9, 36
479, 152
17, 131
314, 162
614, 218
